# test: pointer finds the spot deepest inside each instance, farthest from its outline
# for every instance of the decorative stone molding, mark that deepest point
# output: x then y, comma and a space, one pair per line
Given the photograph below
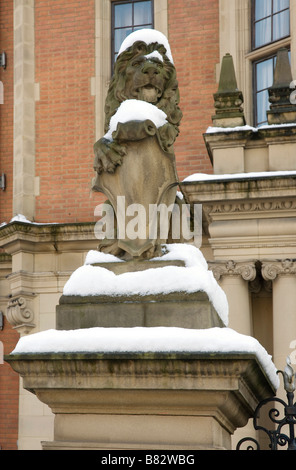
20, 314
274, 268
247, 270
256, 206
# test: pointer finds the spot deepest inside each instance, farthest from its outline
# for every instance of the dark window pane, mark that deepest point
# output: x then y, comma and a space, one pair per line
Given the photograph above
281, 25
263, 32
262, 9
142, 13
123, 15
279, 5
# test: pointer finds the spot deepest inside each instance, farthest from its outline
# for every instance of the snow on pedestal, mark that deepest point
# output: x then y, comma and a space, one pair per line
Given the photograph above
91, 280
147, 340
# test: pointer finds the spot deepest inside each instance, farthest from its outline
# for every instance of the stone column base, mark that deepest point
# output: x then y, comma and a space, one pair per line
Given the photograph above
144, 401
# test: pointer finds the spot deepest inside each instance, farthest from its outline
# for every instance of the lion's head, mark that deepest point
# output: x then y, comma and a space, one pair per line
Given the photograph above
144, 72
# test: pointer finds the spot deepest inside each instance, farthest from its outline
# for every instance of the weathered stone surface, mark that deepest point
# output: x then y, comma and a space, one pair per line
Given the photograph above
145, 401
228, 99
177, 309
146, 176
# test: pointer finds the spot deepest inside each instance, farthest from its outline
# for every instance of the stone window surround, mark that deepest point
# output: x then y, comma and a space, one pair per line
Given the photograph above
235, 38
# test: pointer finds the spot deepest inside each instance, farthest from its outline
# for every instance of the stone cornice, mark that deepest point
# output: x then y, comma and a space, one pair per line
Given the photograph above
241, 138
95, 372
33, 237
247, 198
245, 269
237, 188
271, 269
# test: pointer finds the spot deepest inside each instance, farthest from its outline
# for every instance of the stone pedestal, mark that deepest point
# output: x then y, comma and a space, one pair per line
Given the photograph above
144, 401
179, 309
182, 311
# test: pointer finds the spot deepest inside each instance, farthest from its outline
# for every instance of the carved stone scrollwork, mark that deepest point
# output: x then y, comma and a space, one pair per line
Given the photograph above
272, 269
20, 314
245, 269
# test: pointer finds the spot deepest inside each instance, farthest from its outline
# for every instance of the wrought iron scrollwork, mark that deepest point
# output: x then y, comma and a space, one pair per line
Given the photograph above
279, 436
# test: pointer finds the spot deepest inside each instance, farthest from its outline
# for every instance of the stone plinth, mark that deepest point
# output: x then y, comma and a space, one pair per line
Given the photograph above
178, 309
144, 401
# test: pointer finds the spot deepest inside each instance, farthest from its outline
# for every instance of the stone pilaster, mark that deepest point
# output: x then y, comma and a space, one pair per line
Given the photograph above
24, 109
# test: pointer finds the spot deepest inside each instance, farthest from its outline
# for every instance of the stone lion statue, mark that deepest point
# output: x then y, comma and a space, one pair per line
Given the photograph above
142, 72
138, 150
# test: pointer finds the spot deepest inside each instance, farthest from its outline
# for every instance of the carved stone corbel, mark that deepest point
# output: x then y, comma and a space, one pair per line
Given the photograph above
245, 269
273, 268
20, 314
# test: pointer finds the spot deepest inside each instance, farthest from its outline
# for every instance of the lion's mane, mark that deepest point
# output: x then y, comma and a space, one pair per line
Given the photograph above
169, 101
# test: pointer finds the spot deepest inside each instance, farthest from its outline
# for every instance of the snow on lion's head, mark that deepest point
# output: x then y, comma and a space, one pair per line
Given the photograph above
144, 70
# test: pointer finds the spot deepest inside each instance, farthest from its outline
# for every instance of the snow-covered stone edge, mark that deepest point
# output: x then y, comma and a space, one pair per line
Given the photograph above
147, 340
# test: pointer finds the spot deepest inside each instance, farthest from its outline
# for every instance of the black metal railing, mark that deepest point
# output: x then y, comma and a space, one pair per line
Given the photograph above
283, 432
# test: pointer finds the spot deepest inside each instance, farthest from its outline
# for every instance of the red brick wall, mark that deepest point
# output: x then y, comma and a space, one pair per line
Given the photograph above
9, 393
194, 40
6, 109
9, 380
65, 119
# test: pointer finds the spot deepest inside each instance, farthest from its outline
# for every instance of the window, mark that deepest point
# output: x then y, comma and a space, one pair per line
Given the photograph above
263, 79
128, 17
270, 23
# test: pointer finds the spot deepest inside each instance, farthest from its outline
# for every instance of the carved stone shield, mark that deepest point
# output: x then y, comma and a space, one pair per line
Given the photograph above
146, 179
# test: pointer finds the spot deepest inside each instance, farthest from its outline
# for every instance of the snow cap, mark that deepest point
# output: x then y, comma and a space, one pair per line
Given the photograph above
148, 36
